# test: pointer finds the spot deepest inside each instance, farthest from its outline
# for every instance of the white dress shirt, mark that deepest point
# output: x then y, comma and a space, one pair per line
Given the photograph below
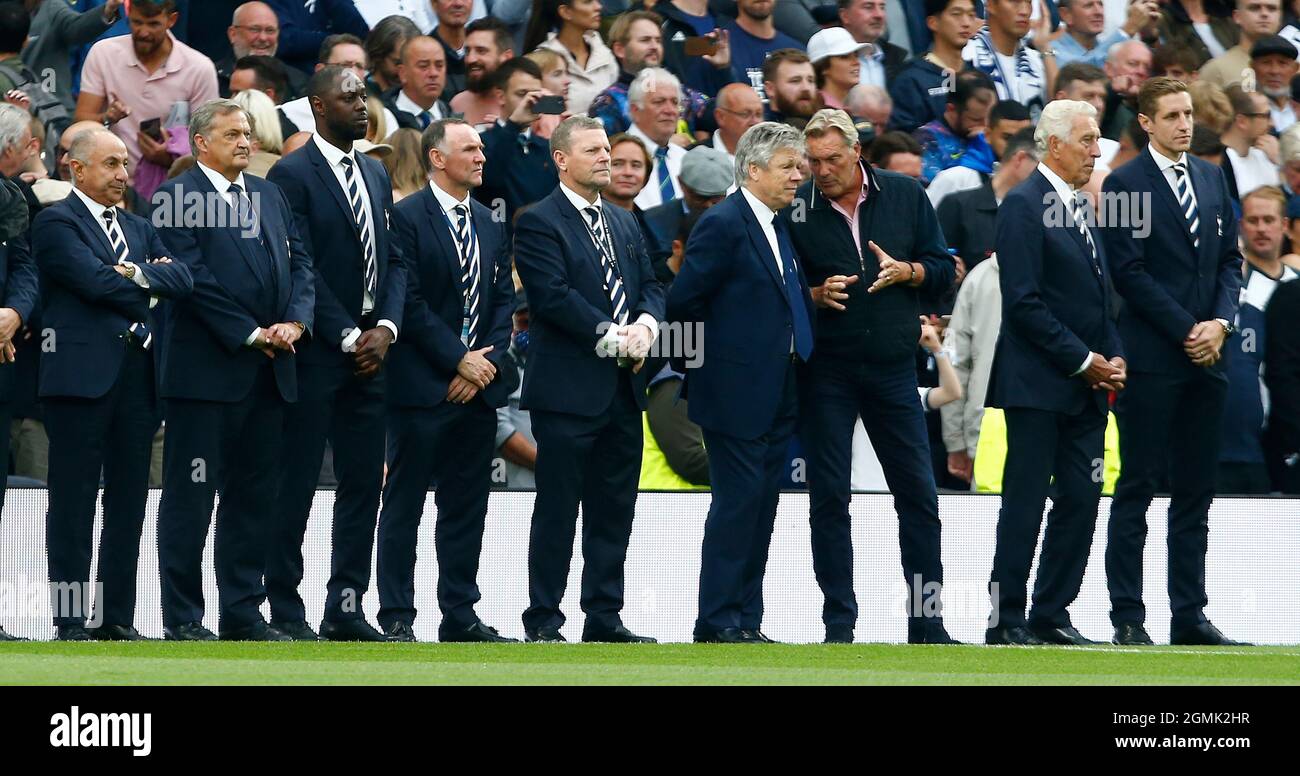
97, 210
649, 196
612, 336
334, 157
405, 103
1067, 193
1166, 166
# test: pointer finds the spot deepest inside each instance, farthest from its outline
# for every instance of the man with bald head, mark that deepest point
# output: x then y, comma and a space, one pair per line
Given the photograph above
255, 31
737, 108
423, 75
1128, 66
342, 203
102, 272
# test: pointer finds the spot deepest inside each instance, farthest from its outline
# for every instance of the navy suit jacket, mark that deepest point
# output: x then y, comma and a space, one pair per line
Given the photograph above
729, 283
235, 291
1168, 286
423, 362
87, 306
568, 307
1055, 310
329, 236
18, 290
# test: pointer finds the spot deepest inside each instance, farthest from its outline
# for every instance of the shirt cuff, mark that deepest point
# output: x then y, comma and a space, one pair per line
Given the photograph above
253, 337
349, 344
1087, 362
139, 279
153, 302
609, 343
648, 320
387, 324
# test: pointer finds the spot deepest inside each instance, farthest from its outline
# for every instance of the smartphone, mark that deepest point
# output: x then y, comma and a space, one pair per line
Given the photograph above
152, 128
552, 104
701, 45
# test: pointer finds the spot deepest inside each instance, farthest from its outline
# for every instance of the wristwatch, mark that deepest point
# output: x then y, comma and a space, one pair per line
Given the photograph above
1228, 328
130, 270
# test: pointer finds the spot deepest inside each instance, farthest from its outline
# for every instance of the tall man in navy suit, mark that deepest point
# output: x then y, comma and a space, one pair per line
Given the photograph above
1057, 356
342, 203
102, 270
1180, 286
743, 284
227, 373
18, 282
596, 307
443, 392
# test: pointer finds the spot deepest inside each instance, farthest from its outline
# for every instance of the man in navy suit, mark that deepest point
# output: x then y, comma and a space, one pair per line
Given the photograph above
596, 307
743, 284
1058, 354
1180, 286
18, 281
102, 270
443, 392
227, 373
342, 204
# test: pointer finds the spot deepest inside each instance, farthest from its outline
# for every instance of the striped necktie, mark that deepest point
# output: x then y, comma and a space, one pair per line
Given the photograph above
1187, 203
666, 191
115, 237
363, 226
1080, 221
613, 283
469, 275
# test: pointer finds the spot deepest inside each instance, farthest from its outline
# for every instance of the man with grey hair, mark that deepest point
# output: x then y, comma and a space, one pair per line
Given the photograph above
1127, 67
1058, 356
229, 372
18, 281
655, 101
596, 308
255, 31
102, 271
743, 286
872, 246
871, 103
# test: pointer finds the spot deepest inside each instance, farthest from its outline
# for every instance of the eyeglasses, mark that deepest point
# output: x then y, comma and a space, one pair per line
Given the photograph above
258, 30
748, 115
1263, 115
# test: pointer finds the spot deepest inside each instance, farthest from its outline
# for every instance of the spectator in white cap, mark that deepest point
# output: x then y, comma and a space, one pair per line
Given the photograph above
834, 54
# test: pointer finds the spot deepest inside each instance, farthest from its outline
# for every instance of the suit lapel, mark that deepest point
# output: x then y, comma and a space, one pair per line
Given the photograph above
579, 232
1201, 188
233, 230
101, 239
487, 250
374, 189
331, 184
759, 240
442, 234
1160, 185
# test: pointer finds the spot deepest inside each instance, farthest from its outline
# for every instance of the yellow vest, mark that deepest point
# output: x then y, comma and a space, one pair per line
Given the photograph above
656, 474
991, 453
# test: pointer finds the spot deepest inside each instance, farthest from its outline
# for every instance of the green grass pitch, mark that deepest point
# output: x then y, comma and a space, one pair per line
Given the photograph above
669, 664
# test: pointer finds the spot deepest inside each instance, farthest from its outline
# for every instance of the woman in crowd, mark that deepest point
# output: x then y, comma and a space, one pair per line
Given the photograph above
571, 28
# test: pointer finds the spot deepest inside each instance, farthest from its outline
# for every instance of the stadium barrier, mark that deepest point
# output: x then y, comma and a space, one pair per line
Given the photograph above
1253, 569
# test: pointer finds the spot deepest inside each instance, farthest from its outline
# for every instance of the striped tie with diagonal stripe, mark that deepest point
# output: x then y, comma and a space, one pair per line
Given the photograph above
613, 283
469, 274
1187, 203
115, 237
363, 225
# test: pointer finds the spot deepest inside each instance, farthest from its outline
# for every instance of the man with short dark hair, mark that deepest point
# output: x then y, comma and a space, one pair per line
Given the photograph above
959, 133
790, 84
488, 44
266, 75
342, 204
384, 52
753, 37
339, 50
1254, 20
1006, 119
865, 21
1019, 72
520, 170
920, 90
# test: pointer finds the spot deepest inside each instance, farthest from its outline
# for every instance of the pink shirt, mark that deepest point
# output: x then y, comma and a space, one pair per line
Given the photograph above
852, 218
482, 111
112, 69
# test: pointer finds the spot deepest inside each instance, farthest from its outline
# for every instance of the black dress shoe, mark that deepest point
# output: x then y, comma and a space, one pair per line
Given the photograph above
723, 636
351, 630
1205, 635
1131, 634
9, 636
1018, 634
617, 635
398, 631
839, 634
1066, 635
297, 630
758, 637
258, 631
548, 634
116, 633
189, 631
479, 632
935, 634
73, 633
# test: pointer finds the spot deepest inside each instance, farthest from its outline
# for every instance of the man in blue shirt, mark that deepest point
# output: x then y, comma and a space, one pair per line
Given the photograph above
1085, 23
753, 36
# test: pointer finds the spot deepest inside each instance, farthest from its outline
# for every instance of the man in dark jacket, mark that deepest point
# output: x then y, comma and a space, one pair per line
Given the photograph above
920, 90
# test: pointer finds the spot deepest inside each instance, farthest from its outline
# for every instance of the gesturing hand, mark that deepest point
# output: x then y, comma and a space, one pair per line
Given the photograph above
476, 369
833, 292
891, 270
